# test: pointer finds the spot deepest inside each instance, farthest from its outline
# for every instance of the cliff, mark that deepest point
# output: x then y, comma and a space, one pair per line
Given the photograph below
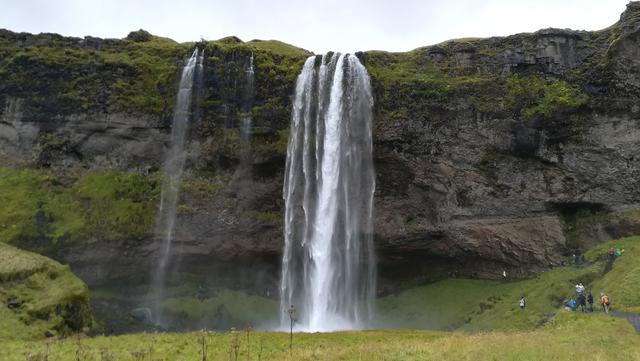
491, 154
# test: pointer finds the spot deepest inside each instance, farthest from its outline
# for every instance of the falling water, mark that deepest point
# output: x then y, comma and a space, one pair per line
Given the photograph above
245, 131
328, 268
171, 178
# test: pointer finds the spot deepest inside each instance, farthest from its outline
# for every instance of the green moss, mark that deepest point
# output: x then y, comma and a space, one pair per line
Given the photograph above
225, 95
108, 74
277, 48
229, 141
201, 187
229, 308
118, 205
50, 297
274, 218
273, 146
535, 97
184, 210
40, 212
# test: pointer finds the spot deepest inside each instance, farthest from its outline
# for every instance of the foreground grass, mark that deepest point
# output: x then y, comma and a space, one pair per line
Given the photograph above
568, 337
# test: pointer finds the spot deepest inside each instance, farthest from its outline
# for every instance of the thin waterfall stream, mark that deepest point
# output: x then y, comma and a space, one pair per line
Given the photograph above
171, 179
247, 103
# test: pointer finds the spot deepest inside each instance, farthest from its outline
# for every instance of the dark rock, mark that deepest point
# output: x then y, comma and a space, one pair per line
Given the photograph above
142, 314
139, 36
13, 303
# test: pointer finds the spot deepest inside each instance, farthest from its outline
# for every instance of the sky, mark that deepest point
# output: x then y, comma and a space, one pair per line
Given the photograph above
315, 25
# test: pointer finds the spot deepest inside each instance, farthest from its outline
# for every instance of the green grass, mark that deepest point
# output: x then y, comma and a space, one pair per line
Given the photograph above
277, 47
568, 337
227, 308
622, 283
535, 97
492, 305
51, 298
441, 305
482, 304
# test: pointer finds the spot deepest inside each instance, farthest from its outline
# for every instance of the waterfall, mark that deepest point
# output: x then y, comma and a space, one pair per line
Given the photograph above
328, 266
247, 103
172, 177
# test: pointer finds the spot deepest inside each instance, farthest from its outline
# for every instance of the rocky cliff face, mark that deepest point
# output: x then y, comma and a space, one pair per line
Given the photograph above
491, 154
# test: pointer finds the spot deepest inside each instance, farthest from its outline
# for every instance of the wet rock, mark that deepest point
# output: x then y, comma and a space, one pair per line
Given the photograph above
142, 314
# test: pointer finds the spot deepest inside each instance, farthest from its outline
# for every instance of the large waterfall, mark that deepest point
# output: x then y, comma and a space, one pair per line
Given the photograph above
328, 268
172, 177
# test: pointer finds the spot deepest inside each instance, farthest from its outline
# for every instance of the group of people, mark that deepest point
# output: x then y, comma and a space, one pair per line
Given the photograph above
615, 253
584, 300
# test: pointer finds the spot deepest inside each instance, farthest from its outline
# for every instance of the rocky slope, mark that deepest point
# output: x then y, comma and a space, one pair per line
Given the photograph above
491, 154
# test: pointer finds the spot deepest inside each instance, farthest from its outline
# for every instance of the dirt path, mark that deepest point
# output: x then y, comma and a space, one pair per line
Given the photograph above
633, 318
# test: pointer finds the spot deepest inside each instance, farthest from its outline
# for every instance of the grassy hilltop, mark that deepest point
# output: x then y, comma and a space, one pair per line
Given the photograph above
39, 297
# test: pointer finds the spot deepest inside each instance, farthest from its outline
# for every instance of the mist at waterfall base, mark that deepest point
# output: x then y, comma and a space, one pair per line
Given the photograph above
328, 268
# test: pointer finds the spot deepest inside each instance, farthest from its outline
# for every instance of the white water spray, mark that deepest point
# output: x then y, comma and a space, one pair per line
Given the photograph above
328, 268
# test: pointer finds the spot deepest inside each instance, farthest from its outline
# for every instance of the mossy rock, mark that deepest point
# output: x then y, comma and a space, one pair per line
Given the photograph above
42, 213
39, 297
139, 36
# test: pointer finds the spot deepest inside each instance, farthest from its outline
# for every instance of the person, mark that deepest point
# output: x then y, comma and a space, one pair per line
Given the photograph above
201, 293
612, 254
618, 252
504, 274
570, 305
590, 301
581, 302
523, 303
579, 289
604, 300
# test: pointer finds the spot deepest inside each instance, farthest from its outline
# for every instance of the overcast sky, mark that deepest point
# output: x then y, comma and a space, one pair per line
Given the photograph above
316, 25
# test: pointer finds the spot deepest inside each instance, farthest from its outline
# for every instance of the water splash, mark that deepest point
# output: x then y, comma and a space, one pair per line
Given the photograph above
328, 268
171, 180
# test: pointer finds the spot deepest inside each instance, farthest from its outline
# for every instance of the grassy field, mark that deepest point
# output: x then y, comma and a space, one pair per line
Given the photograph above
484, 317
568, 336
474, 305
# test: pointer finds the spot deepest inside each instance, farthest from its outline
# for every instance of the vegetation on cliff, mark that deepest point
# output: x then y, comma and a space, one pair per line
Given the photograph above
40, 212
39, 297
138, 74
